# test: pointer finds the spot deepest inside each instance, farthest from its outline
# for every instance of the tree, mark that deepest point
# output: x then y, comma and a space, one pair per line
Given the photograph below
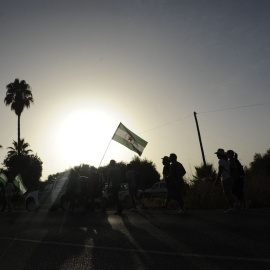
23, 148
207, 171
147, 170
30, 168
260, 166
19, 96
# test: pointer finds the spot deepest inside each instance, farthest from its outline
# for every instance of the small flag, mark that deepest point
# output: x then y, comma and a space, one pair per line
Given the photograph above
19, 184
3, 179
124, 136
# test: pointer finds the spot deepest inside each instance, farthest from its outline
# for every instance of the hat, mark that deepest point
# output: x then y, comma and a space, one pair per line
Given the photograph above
230, 153
220, 151
165, 157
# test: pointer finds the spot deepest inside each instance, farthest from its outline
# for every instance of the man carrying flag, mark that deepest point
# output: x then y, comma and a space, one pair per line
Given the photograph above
19, 184
126, 137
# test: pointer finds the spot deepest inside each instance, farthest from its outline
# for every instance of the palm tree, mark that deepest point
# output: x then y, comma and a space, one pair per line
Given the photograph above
19, 96
23, 148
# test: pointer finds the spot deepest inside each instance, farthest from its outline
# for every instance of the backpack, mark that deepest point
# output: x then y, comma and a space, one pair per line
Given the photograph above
237, 170
180, 170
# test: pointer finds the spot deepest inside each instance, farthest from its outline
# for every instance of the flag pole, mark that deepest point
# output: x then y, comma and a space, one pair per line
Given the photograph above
108, 147
105, 153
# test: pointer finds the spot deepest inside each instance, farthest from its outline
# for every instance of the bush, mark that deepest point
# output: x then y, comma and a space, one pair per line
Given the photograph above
257, 189
203, 194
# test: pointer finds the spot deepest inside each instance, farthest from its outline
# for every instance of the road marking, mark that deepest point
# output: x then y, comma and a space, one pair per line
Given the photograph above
180, 254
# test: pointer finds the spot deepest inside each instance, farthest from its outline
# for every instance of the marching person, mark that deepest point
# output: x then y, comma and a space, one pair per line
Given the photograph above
238, 175
224, 174
165, 173
73, 189
9, 190
114, 181
132, 187
175, 178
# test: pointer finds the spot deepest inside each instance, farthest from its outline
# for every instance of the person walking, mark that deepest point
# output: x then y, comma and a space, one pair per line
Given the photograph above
166, 167
132, 187
114, 181
165, 173
238, 175
73, 189
176, 182
224, 175
94, 186
9, 190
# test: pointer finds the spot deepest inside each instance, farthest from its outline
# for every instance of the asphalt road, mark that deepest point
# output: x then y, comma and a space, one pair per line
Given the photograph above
144, 240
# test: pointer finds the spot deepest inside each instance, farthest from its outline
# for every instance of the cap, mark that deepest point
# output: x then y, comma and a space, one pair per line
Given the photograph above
220, 151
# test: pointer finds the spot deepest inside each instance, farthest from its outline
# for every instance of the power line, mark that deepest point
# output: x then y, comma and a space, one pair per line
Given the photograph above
233, 108
217, 110
167, 123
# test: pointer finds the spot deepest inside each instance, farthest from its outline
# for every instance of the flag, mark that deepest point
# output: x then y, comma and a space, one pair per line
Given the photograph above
126, 137
19, 184
3, 179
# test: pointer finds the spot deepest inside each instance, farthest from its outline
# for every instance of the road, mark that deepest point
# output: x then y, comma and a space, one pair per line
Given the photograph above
144, 240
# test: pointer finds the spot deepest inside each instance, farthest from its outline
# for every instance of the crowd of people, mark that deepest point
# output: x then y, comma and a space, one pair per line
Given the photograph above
84, 190
231, 176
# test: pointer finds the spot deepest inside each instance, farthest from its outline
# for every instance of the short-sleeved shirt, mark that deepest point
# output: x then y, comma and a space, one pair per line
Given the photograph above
114, 175
226, 169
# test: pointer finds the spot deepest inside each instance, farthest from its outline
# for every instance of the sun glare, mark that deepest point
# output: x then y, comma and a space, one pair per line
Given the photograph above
83, 135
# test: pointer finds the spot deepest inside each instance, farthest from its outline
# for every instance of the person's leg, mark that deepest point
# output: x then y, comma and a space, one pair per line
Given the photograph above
139, 200
227, 189
132, 196
116, 200
178, 197
103, 204
168, 198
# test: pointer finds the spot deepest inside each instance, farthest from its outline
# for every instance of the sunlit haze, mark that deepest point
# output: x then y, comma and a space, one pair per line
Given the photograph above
147, 64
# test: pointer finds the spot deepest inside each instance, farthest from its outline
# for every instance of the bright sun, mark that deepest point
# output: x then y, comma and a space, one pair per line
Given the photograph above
83, 135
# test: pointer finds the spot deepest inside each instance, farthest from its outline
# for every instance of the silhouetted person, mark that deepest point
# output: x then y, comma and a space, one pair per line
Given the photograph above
84, 195
165, 173
224, 174
114, 182
132, 187
73, 189
9, 190
166, 167
95, 185
175, 178
238, 174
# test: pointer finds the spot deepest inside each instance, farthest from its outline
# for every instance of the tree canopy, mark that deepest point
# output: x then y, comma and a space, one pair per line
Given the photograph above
18, 96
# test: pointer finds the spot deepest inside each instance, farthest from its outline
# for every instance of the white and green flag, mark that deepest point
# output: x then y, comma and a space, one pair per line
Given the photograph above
3, 179
126, 137
19, 184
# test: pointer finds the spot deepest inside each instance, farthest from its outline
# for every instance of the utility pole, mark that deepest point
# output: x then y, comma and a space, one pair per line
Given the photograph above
204, 162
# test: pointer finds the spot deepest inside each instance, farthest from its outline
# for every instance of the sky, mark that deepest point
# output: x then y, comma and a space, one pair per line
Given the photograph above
149, 64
